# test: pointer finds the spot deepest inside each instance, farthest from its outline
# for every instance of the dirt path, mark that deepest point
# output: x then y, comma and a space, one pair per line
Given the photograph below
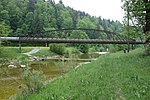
35, 50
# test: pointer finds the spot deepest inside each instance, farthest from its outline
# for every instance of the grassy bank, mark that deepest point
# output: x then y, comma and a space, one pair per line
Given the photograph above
14, 52
11, 52
114, 76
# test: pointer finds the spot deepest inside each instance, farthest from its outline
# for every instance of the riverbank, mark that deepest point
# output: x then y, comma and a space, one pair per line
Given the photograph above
50, 67
8, 54
114, 76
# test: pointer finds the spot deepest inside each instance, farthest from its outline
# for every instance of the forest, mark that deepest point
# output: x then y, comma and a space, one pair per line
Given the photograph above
35, 17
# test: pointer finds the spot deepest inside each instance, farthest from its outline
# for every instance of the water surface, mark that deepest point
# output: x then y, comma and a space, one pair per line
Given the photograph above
11, 78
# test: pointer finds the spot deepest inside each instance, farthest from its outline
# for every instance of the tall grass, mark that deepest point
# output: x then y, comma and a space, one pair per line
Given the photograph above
113, 76
13, 52
10, 52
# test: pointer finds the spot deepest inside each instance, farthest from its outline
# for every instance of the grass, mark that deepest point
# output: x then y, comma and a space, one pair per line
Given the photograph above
43, 52
10, 52
113, 76
13, 52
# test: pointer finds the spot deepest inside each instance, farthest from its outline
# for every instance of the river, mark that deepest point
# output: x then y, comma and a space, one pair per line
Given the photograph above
10, 78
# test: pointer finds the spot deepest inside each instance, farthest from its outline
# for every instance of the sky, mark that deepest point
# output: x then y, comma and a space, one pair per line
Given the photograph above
108, 9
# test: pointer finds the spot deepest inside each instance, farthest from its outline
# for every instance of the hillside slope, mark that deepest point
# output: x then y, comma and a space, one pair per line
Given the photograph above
113, 76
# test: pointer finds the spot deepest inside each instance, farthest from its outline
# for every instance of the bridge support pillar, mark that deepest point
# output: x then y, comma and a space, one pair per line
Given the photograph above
128, 48
19, 45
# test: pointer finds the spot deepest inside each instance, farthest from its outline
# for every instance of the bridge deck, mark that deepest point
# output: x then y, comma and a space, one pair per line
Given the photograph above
64, 40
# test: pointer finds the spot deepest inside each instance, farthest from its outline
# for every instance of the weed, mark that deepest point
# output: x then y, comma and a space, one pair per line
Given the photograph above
33, 82
111, 77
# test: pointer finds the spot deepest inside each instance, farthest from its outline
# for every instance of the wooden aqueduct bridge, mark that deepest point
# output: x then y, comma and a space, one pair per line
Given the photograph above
105, 37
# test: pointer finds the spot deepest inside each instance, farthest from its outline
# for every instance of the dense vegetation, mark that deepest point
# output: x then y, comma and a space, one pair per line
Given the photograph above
34, 17
138, 12
113, 76
137, 18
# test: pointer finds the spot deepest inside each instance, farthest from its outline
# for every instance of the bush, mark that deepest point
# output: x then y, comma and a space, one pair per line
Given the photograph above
101, 49
57, 48
92, 49
71, 50
84, 48
117, 47
33, 81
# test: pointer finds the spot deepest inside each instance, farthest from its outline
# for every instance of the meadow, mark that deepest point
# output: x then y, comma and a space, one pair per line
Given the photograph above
113, 76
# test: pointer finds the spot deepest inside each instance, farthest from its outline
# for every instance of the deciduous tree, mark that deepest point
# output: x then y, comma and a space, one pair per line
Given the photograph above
138, 11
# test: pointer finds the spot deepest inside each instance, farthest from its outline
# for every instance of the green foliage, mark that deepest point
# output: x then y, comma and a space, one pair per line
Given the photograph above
112, 76
44, 52
134, 32
138, 12
101, 49
71, 50
147, 45
11, 52
78, 34
117, 47
65, 66
57, 48
4, 30
84, 48
33, 81
92, 49
98, 48
33, 17
86, 23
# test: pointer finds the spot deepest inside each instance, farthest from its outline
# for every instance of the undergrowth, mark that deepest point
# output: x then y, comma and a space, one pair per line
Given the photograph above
113, 76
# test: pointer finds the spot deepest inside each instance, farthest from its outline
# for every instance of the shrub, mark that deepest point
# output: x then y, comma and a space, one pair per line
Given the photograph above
101, 49
117, 47
71, 50
33, 81
84, 48
92, 49
57, 48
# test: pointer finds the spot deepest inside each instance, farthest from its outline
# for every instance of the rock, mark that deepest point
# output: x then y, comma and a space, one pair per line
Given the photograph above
12, 66
22, 66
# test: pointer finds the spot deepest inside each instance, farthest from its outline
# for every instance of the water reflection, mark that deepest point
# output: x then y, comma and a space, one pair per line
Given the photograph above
8, 85
51, 68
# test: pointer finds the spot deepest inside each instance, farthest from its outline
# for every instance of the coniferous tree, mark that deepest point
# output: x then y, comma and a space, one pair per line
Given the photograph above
33, 17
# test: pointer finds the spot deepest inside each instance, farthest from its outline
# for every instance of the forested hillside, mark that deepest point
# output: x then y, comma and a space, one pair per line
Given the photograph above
34, 17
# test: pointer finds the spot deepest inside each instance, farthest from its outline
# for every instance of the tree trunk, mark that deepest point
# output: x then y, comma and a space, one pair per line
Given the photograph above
147, 25
147, 17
